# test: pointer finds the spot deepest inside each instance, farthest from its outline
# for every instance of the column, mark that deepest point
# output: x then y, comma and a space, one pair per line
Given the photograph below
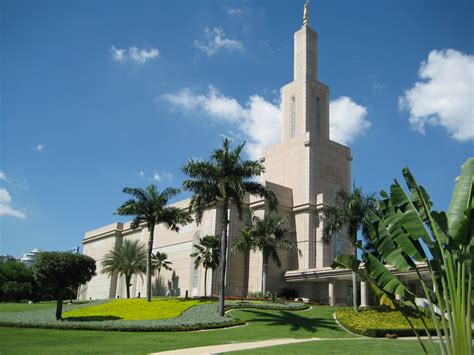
331, 293
363, 294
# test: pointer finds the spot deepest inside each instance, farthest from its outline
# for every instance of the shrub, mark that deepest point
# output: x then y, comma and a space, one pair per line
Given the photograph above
288, 293
378, 321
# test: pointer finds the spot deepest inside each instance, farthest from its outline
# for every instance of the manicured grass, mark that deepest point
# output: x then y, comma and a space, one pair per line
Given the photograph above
376, 322
263, 324
22, 307
135, 309
356, 347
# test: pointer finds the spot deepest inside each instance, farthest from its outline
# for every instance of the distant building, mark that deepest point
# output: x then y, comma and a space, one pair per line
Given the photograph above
29, 258
5, 258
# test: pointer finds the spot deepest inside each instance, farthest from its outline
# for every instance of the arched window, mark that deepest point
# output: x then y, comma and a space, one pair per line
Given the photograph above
317, 114
293, 117
338, 245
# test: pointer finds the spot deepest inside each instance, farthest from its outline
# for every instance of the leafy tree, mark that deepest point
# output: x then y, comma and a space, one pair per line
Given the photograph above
403, 233
150, 207
127, 259
16, 281
159, 261
224, 180
267, 235
59, 270
349, 211
207, 255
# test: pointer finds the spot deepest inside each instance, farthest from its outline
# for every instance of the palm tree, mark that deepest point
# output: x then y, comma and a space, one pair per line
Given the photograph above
267, 235
150, 207
349, 211
207, 255
127, 259
224, 180
159, 261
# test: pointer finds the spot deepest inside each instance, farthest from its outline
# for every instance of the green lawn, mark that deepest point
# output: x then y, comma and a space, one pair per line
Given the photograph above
262, 325
356, 347
21, 307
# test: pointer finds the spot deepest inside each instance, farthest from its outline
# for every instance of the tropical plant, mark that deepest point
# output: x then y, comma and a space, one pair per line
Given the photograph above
349, 213
159, 261
207, 255
267, 235
224, 180
150, 207
127, 259
408, 234
58, 271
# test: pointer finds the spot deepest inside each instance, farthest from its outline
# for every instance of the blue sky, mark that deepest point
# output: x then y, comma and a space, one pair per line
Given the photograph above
98, 95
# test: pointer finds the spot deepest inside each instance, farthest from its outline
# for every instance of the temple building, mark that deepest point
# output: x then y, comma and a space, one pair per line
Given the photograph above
304, 170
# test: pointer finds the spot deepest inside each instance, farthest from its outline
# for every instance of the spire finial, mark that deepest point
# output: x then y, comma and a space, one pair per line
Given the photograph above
305, 13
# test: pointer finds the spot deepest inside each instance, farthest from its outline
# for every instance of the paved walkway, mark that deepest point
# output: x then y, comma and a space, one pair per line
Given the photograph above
218, 349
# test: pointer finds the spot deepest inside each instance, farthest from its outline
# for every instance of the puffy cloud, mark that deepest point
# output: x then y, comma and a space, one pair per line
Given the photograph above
162, 177
347, 120
3, 176
5, 205
38, 148
215, 40
259, 120
133, 54
443, 95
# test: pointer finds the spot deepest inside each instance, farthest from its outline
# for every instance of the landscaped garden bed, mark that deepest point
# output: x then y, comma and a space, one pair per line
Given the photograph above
379, 321
139, 315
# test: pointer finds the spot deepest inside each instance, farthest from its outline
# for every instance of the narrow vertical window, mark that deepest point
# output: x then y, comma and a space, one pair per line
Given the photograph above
293, 117
317, 114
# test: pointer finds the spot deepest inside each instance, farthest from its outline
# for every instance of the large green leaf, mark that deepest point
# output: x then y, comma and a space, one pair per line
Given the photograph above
460, 209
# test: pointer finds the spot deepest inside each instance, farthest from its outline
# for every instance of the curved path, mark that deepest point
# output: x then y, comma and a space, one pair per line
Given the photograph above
218, 349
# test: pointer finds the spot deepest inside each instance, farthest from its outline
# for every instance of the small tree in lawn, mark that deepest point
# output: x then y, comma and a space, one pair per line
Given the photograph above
58, 271
159, 261
207, 255
267, 235
128, 259
151, 207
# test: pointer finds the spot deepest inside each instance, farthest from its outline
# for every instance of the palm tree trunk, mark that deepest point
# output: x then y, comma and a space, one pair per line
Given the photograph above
205, 282
225, 221
148, 262
354, 284
264, 276
59, 305
127, 282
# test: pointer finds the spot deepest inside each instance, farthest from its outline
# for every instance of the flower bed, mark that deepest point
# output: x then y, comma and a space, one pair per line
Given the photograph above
377, 322
203, 315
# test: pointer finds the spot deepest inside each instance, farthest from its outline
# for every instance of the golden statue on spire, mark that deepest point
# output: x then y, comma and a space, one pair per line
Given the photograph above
305, 13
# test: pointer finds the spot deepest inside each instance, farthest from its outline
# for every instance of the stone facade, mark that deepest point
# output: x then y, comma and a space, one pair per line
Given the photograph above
304, 170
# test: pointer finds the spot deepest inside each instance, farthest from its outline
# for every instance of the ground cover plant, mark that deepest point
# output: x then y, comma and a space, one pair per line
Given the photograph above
135, 309
377, 322
260, 325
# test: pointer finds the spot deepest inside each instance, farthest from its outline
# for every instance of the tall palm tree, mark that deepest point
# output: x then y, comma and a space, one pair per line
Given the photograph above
159, 261
207, 255
128, 259
349, 211
223, 181
150, 207
267, 235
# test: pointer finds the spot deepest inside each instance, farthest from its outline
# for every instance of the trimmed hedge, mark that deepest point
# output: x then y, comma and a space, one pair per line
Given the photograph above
378, 321
201, 316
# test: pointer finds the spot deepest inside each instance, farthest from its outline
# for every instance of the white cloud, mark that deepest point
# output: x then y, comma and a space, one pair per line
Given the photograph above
141, 174
162, 177
215, 40
38, 148
259, 120
347, 120
444, 94
234, 11
5, 205
3, 176
133, 54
